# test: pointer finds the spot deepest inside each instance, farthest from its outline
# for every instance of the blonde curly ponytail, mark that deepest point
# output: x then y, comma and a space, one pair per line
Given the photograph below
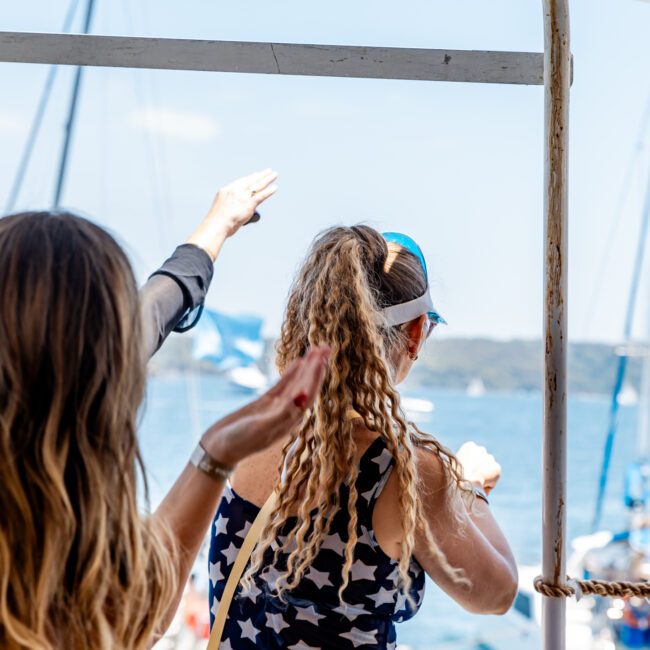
349, 275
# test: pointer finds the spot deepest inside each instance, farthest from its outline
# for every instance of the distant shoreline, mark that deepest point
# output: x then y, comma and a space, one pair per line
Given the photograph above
498, 366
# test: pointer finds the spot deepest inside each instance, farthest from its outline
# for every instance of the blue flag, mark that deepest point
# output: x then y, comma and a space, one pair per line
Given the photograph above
228, 341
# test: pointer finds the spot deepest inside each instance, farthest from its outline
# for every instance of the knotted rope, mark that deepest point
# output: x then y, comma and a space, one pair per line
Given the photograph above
580, 588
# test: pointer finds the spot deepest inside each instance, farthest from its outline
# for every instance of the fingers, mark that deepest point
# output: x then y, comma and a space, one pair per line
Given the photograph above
261, 196
263, 181
479, 465
310, 377
251, 178
256, 180
286, 379
301, 382
263, 187
313, 373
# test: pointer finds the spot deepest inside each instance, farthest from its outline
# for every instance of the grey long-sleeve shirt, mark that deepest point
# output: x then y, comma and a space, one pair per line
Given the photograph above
172, 298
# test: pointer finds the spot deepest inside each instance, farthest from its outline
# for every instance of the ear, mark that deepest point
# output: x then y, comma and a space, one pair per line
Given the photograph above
415, 331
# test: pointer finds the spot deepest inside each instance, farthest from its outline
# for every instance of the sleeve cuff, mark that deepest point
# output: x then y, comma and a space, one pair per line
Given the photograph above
192, 269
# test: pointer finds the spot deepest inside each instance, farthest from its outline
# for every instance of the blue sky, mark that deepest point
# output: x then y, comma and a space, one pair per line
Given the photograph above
457, 166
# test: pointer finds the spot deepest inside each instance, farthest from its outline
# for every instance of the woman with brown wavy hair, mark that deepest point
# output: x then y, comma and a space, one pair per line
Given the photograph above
80, 567
367, 503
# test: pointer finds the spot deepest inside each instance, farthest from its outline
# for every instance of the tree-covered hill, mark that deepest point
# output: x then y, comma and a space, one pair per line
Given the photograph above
516, 365
454, 363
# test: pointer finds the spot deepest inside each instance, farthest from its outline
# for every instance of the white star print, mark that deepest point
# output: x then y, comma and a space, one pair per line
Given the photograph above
220, 525
302, 646
225, 645
215, 573
244, 530
401, 602
382, 596
308, 614
215, 606
420, 594
271, 575
366, 537
319, 578
228, 493
394, 574
230, 553
275, 622
368, 495
361, 571
360, 637
253, 592
391, 646
383, 460
248, 630
334, 543
350, 611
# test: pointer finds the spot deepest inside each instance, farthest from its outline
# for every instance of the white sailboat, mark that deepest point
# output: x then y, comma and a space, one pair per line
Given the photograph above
475, 388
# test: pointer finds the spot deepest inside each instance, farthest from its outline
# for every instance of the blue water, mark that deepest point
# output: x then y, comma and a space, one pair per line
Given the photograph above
509, 425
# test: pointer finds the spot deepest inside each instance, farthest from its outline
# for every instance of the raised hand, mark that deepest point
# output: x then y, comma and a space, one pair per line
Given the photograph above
233, 206
271, 416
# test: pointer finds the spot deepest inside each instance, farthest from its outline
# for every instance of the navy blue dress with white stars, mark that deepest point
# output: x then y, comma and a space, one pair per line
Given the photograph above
311, 616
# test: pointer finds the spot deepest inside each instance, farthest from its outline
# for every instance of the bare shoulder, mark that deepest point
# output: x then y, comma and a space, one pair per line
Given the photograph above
432, 472
255, 476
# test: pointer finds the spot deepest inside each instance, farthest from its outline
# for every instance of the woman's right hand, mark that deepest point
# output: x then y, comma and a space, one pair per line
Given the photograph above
479, 466
257, 425
233, 206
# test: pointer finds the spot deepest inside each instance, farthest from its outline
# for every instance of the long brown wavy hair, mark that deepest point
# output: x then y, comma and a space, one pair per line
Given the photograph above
79, 566
349, 275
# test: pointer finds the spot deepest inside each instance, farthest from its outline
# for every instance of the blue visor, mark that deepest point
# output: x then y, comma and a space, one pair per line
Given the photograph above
403, 313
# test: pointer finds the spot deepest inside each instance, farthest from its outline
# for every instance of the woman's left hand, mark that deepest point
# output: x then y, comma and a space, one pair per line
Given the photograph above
233, 206
188, 508
479, 466
273, 415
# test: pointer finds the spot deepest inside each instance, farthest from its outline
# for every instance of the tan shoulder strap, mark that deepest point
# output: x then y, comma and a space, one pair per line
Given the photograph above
250, 542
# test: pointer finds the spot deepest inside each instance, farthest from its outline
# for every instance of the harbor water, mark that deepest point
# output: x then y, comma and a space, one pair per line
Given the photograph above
179, 407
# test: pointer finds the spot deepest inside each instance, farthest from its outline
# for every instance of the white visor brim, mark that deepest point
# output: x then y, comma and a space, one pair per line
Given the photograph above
407, 311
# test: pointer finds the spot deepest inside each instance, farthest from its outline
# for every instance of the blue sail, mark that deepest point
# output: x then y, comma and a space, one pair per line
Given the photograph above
228, 341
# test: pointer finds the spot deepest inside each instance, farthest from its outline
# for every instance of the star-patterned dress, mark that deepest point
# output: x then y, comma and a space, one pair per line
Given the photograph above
311, 616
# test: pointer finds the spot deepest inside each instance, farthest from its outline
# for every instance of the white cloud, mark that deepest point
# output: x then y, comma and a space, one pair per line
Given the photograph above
173, 123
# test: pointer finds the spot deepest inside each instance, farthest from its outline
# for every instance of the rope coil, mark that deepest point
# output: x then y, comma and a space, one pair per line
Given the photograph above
579, 588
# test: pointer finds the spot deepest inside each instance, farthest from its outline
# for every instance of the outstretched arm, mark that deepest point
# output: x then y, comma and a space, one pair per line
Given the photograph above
189, 506
174, 293
470, 540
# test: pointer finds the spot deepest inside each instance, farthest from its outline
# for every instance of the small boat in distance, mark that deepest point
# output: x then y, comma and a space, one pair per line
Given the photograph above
416, 405
248, 377
475, 388
628, 396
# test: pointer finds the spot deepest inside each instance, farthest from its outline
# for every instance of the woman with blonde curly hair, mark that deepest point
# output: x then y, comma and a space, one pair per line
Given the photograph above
366, 504
80, 567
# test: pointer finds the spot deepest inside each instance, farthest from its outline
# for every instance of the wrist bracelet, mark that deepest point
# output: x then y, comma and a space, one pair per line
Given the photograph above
202, 460
481, 494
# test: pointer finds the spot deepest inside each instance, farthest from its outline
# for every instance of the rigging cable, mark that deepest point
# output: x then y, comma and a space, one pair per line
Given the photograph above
616, 215
69, 127
622, 360
38, 119
146, 91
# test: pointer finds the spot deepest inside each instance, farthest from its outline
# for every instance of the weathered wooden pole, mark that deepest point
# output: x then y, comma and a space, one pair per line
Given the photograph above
557, 81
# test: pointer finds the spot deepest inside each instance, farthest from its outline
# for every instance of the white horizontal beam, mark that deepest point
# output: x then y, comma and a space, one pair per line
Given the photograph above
273, 58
